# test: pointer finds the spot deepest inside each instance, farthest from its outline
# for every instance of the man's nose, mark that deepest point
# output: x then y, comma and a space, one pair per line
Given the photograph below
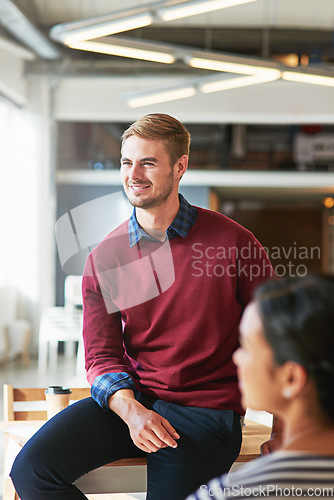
135, 171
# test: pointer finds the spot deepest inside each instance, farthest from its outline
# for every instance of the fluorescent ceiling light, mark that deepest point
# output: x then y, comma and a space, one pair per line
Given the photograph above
229, 67
124, 51
107, 28
197, 7
79, 35
206, 85
294, 76
241, 81
159, 96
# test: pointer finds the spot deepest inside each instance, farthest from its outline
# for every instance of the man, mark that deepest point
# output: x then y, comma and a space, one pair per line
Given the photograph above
163, 296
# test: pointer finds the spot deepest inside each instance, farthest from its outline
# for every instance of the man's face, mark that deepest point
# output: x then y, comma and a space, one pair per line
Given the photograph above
147, 174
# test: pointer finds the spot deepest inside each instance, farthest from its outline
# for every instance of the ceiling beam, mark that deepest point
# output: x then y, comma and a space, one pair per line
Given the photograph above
21, 28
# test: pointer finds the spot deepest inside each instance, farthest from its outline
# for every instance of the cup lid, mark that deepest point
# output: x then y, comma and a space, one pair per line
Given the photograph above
57, 389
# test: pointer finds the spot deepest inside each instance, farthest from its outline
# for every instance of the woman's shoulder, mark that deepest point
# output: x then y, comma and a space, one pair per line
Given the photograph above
273, 475
280, 463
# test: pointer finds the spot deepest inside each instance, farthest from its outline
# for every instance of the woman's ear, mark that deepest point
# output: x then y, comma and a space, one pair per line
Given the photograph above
294, 378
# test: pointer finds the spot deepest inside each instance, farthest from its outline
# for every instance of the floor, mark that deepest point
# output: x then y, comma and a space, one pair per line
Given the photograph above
20, 376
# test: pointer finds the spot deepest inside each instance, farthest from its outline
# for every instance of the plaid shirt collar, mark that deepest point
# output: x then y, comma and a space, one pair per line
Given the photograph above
184, 220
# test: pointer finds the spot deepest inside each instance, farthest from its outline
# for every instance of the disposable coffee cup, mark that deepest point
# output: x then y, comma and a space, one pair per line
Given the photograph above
57, 398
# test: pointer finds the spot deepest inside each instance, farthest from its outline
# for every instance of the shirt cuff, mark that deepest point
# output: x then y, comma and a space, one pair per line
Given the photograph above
106, 385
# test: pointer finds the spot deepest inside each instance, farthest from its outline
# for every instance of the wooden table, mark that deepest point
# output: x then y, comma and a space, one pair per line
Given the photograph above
254, 435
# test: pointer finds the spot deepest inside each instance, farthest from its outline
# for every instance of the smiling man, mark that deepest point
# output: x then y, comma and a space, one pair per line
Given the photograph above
159, 336
151, 177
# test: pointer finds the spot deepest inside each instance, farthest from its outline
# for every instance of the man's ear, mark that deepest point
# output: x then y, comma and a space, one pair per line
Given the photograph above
182, 165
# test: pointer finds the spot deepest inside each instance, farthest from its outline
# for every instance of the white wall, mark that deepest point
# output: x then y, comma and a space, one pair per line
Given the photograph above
12, 83
27, 202
278, 102
38, 114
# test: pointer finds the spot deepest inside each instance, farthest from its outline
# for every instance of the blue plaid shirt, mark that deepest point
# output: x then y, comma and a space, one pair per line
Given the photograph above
106, 385
185, 218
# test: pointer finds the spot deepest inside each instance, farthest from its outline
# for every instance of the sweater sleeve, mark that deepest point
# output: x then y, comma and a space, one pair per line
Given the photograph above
102, 332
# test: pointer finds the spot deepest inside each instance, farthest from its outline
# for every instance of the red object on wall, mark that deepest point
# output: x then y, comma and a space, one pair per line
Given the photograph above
311, 129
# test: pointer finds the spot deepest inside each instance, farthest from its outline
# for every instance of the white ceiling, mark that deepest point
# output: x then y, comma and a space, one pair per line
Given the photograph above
265, 28
307, 14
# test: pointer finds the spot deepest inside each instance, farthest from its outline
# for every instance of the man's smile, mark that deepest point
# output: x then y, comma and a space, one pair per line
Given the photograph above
137, 188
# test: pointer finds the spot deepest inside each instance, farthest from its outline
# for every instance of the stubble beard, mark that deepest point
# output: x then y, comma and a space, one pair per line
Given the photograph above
166, 190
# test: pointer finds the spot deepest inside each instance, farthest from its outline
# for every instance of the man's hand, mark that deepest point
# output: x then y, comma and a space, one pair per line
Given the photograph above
149, 431
276, 438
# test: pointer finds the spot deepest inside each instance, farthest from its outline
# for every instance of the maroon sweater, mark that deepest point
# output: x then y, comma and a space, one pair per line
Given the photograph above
168, 313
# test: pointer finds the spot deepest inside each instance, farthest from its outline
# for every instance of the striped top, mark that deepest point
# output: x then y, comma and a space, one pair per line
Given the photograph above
279, 475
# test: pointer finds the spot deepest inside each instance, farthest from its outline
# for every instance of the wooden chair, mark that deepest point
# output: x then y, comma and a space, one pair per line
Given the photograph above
59, 324
28, 405
122, 476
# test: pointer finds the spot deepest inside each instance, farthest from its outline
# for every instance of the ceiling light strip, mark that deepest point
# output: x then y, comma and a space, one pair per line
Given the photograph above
119, 50
234, 83
294, 76
107, 28
188, 9
97, 27
156, 97
227, 66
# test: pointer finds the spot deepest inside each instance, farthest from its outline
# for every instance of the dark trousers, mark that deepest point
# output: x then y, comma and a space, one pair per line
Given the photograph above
83, 437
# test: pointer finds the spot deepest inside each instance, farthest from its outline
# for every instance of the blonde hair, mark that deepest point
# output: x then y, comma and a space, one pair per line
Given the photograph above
163, 127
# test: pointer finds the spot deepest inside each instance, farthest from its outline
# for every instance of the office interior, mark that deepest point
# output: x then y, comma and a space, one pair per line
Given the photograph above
262, 154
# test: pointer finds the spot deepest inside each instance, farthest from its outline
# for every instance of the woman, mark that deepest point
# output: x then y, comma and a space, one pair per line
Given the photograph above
286, 366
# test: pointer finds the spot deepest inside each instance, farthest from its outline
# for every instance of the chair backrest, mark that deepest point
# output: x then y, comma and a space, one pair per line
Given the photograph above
29, 403
73, 293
